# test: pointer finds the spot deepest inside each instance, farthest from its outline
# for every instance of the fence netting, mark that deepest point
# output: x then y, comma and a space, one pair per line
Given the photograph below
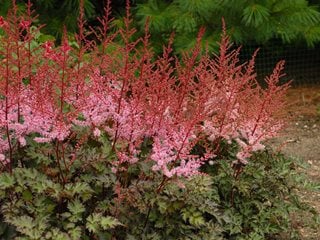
302, 63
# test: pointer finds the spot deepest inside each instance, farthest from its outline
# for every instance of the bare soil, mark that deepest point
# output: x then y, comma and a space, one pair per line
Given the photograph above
301, 139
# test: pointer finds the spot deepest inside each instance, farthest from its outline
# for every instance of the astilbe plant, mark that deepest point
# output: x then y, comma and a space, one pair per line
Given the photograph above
119, 88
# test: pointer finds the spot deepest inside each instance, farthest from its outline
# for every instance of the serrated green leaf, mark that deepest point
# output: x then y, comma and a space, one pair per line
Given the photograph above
6, 181
27, 195
109, 222
97, 222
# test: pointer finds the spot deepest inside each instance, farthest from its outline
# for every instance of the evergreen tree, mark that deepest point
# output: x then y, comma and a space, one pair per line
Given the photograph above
248, 21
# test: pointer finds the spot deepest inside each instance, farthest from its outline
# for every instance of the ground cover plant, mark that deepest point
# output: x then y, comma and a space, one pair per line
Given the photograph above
104, 140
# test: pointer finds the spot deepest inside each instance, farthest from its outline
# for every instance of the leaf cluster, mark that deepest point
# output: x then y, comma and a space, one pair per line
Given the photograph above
137, 203
261, 197
38, 205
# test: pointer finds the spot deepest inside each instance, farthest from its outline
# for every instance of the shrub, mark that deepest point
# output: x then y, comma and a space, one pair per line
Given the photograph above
104, 141
97, 203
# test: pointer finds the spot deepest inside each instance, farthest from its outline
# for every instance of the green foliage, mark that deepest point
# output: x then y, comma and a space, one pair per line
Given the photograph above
255, 15
41, 202
83, 199
261, 197
55, 15
248, 21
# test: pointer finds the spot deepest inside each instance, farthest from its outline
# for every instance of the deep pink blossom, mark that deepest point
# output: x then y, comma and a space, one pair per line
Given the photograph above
25, 24
2, 22
65, 47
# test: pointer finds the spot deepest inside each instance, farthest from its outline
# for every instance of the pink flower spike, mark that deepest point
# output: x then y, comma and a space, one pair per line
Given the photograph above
48, 48
2, 22
49, 52
65, 47
24, 24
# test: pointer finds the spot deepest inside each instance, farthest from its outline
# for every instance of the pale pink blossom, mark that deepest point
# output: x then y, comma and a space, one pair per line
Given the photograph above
2, 157
96, 132
22, 141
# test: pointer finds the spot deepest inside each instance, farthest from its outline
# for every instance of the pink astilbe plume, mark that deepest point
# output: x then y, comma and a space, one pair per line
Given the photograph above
238, 108
15, 67
126, 93
261, 113
51, 93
